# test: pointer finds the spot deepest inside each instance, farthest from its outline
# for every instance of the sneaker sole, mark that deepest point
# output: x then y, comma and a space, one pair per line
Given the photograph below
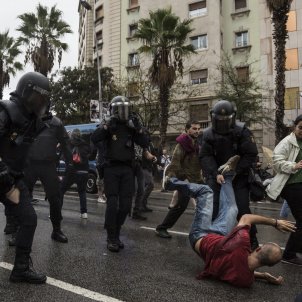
288, 262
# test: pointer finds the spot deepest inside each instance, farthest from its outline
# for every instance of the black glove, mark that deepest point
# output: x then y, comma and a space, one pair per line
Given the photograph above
134, 123
6, 180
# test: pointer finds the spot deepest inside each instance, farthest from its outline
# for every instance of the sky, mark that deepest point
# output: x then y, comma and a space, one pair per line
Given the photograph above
11, 9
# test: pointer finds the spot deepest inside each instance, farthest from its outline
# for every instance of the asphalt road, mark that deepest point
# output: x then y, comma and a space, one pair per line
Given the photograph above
148, 269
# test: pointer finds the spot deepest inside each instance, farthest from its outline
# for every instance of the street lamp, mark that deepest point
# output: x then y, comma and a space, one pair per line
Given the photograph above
87, 6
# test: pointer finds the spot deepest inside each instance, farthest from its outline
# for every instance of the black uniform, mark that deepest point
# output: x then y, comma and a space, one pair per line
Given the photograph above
41, 164
216, 149
118, 173
17, 131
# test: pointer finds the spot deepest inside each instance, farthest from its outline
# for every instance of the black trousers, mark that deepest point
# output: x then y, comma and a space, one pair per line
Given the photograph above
46, 172
174, 213
26, 217
119, 188
292, 194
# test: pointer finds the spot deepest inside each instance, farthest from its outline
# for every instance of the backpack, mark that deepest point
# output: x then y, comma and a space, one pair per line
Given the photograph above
76, 157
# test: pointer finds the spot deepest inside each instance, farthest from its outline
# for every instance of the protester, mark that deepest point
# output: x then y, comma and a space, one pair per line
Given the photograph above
287, 162
225, 249
119, 134
184, 165
77, 170
20, 119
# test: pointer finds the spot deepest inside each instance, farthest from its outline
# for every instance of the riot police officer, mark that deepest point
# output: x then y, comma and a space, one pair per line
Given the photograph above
41, 164
119, 134
19, 121
224, 139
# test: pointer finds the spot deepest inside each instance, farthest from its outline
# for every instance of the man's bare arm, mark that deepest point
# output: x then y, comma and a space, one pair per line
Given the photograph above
269, 278
279, 224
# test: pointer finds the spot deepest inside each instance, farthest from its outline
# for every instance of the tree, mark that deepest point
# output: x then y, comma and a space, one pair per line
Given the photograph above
244, 91
164, 36
9, 51
72, 92
279, 10
41, 34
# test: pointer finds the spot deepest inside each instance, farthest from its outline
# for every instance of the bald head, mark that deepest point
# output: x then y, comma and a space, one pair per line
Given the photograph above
269, 254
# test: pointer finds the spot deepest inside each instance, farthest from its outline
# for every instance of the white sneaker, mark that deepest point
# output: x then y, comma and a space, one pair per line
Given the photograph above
84, 215
101, 199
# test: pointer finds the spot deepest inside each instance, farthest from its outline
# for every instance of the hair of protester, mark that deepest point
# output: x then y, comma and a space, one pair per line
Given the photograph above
270, 254
298, 120
190, 123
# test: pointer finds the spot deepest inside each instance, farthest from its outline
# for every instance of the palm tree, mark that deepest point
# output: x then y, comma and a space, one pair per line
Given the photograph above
9, 50
279, 10
164, 36
41, 33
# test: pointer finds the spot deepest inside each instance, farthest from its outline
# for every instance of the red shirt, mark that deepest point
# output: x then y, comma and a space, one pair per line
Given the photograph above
226, 257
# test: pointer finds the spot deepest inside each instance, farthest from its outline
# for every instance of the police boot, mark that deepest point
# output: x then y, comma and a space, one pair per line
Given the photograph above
23, 270
58, 235
112, 243
119, 242
11, 225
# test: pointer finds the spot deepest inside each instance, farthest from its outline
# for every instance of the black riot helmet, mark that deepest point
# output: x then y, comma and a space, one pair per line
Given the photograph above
120, 108
223, 117
34, 90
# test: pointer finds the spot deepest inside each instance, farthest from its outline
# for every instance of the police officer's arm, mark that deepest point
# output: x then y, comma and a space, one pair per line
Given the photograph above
207, 159
141, 139
248, 152
63, 139
100, 134
6, 180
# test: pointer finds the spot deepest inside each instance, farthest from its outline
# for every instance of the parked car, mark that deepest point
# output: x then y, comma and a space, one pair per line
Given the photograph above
86, 131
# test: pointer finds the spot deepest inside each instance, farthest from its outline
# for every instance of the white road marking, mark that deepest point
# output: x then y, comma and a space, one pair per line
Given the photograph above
173, 232
71, 288
186, 234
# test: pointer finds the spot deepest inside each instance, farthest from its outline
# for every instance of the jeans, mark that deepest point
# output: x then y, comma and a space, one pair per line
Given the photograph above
149, 186
202, 223
139, 190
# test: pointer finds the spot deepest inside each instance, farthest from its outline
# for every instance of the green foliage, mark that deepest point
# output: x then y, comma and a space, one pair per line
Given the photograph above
73, 90
9, 51
164, 37
41, 33
246, 93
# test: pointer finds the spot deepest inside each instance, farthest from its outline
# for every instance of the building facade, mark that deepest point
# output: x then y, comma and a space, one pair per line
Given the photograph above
240, 28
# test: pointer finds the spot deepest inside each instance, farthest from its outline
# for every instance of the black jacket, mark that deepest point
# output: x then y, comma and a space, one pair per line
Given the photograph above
216, 149
44, 148
84, 150
119, 143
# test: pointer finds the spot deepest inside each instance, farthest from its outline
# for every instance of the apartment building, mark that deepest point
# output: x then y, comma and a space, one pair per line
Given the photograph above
241, 28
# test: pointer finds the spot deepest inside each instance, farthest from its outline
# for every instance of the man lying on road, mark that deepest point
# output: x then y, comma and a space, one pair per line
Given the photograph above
226, 250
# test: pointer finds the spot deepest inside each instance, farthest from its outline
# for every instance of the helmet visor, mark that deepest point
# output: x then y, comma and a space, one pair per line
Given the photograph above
121, 110
222, 123
37, 103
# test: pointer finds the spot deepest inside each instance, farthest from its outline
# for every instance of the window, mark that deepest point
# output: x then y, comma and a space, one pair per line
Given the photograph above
133, 59
132, 29
243, 73
292, 21
99, 37
99, 13
241, 39
199, 76
292, 98
200, 42
133, 3
199, 112
197, 9
291, 59
240, 4
132, 89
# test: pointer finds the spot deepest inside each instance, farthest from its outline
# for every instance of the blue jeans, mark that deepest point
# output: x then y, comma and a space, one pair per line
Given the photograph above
202, 223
